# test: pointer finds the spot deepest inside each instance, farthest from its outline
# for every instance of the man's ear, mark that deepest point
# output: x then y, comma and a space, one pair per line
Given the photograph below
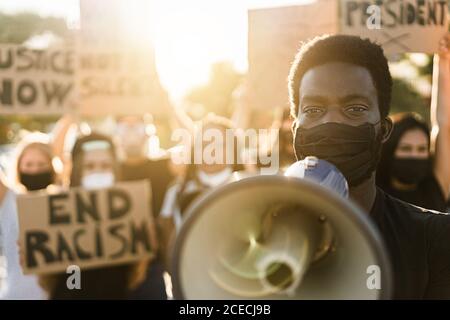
386, 129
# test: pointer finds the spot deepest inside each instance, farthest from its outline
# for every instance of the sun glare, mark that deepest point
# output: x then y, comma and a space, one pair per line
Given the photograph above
187, 36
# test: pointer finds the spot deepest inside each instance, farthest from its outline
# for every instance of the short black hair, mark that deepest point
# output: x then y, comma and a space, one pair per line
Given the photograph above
342, 48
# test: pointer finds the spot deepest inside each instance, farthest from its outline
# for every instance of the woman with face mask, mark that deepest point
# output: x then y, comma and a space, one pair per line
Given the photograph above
414, 164
34, 167
94, 166
405, 169
34, 171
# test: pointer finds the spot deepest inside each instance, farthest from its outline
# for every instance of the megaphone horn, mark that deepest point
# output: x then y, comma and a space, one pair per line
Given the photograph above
277, 237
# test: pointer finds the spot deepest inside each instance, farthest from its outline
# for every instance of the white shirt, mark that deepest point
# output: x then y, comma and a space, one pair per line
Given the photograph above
17, 285
170, 207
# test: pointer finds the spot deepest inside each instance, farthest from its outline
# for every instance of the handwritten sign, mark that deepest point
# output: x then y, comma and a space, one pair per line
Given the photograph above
274, 36
119, 82
86, 228
117, 73
36, 81
397, 25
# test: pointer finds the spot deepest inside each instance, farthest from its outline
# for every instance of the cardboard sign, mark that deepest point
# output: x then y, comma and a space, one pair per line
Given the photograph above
398, 25
119, 82
274, 36
99, 22
97, 82
110, 71
86, 228
117, 72
116, 23
36, 81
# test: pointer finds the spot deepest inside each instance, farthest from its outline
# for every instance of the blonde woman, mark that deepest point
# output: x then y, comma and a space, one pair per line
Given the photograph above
33, 171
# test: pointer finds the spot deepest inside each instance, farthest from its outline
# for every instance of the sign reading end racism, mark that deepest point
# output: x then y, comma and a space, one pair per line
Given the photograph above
397, 25
86, 228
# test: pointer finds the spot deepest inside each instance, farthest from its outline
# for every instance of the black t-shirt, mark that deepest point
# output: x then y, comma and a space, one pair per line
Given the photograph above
157, 172
418, 242
97, 283
427, 195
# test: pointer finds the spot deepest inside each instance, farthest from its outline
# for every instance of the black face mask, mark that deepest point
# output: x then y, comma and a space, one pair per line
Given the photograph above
36, 181
410, 170
354, 150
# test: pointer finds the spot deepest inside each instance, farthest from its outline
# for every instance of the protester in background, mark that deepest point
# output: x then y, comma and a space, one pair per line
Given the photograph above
63, 136
413, 167
197, 179
33, 171
34, 166
406, 170
94, 166
133, 141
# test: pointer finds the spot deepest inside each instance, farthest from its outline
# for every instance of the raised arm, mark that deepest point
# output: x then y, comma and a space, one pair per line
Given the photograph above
182, 118
440, 115
60, 132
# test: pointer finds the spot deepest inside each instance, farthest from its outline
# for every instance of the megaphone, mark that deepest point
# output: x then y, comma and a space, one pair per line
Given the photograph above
280, 237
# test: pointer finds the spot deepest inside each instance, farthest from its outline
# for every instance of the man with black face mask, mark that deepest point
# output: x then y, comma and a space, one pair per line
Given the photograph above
340, 90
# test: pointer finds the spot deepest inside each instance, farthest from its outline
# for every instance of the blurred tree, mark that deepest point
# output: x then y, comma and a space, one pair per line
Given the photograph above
406, 99
17, 29
426, 69
216, 95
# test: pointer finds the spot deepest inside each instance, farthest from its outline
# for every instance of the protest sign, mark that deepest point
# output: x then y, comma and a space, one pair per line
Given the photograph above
97, 82
112, 81
86, 228
274, 36
36, 81
397, 25
99, 22
96, 77
110, 23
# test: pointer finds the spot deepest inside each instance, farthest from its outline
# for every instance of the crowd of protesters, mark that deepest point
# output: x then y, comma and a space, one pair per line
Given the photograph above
414, 167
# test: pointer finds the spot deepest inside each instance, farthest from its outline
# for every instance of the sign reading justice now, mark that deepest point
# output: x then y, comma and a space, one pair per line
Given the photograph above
36, 81
86, 228
90, 81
